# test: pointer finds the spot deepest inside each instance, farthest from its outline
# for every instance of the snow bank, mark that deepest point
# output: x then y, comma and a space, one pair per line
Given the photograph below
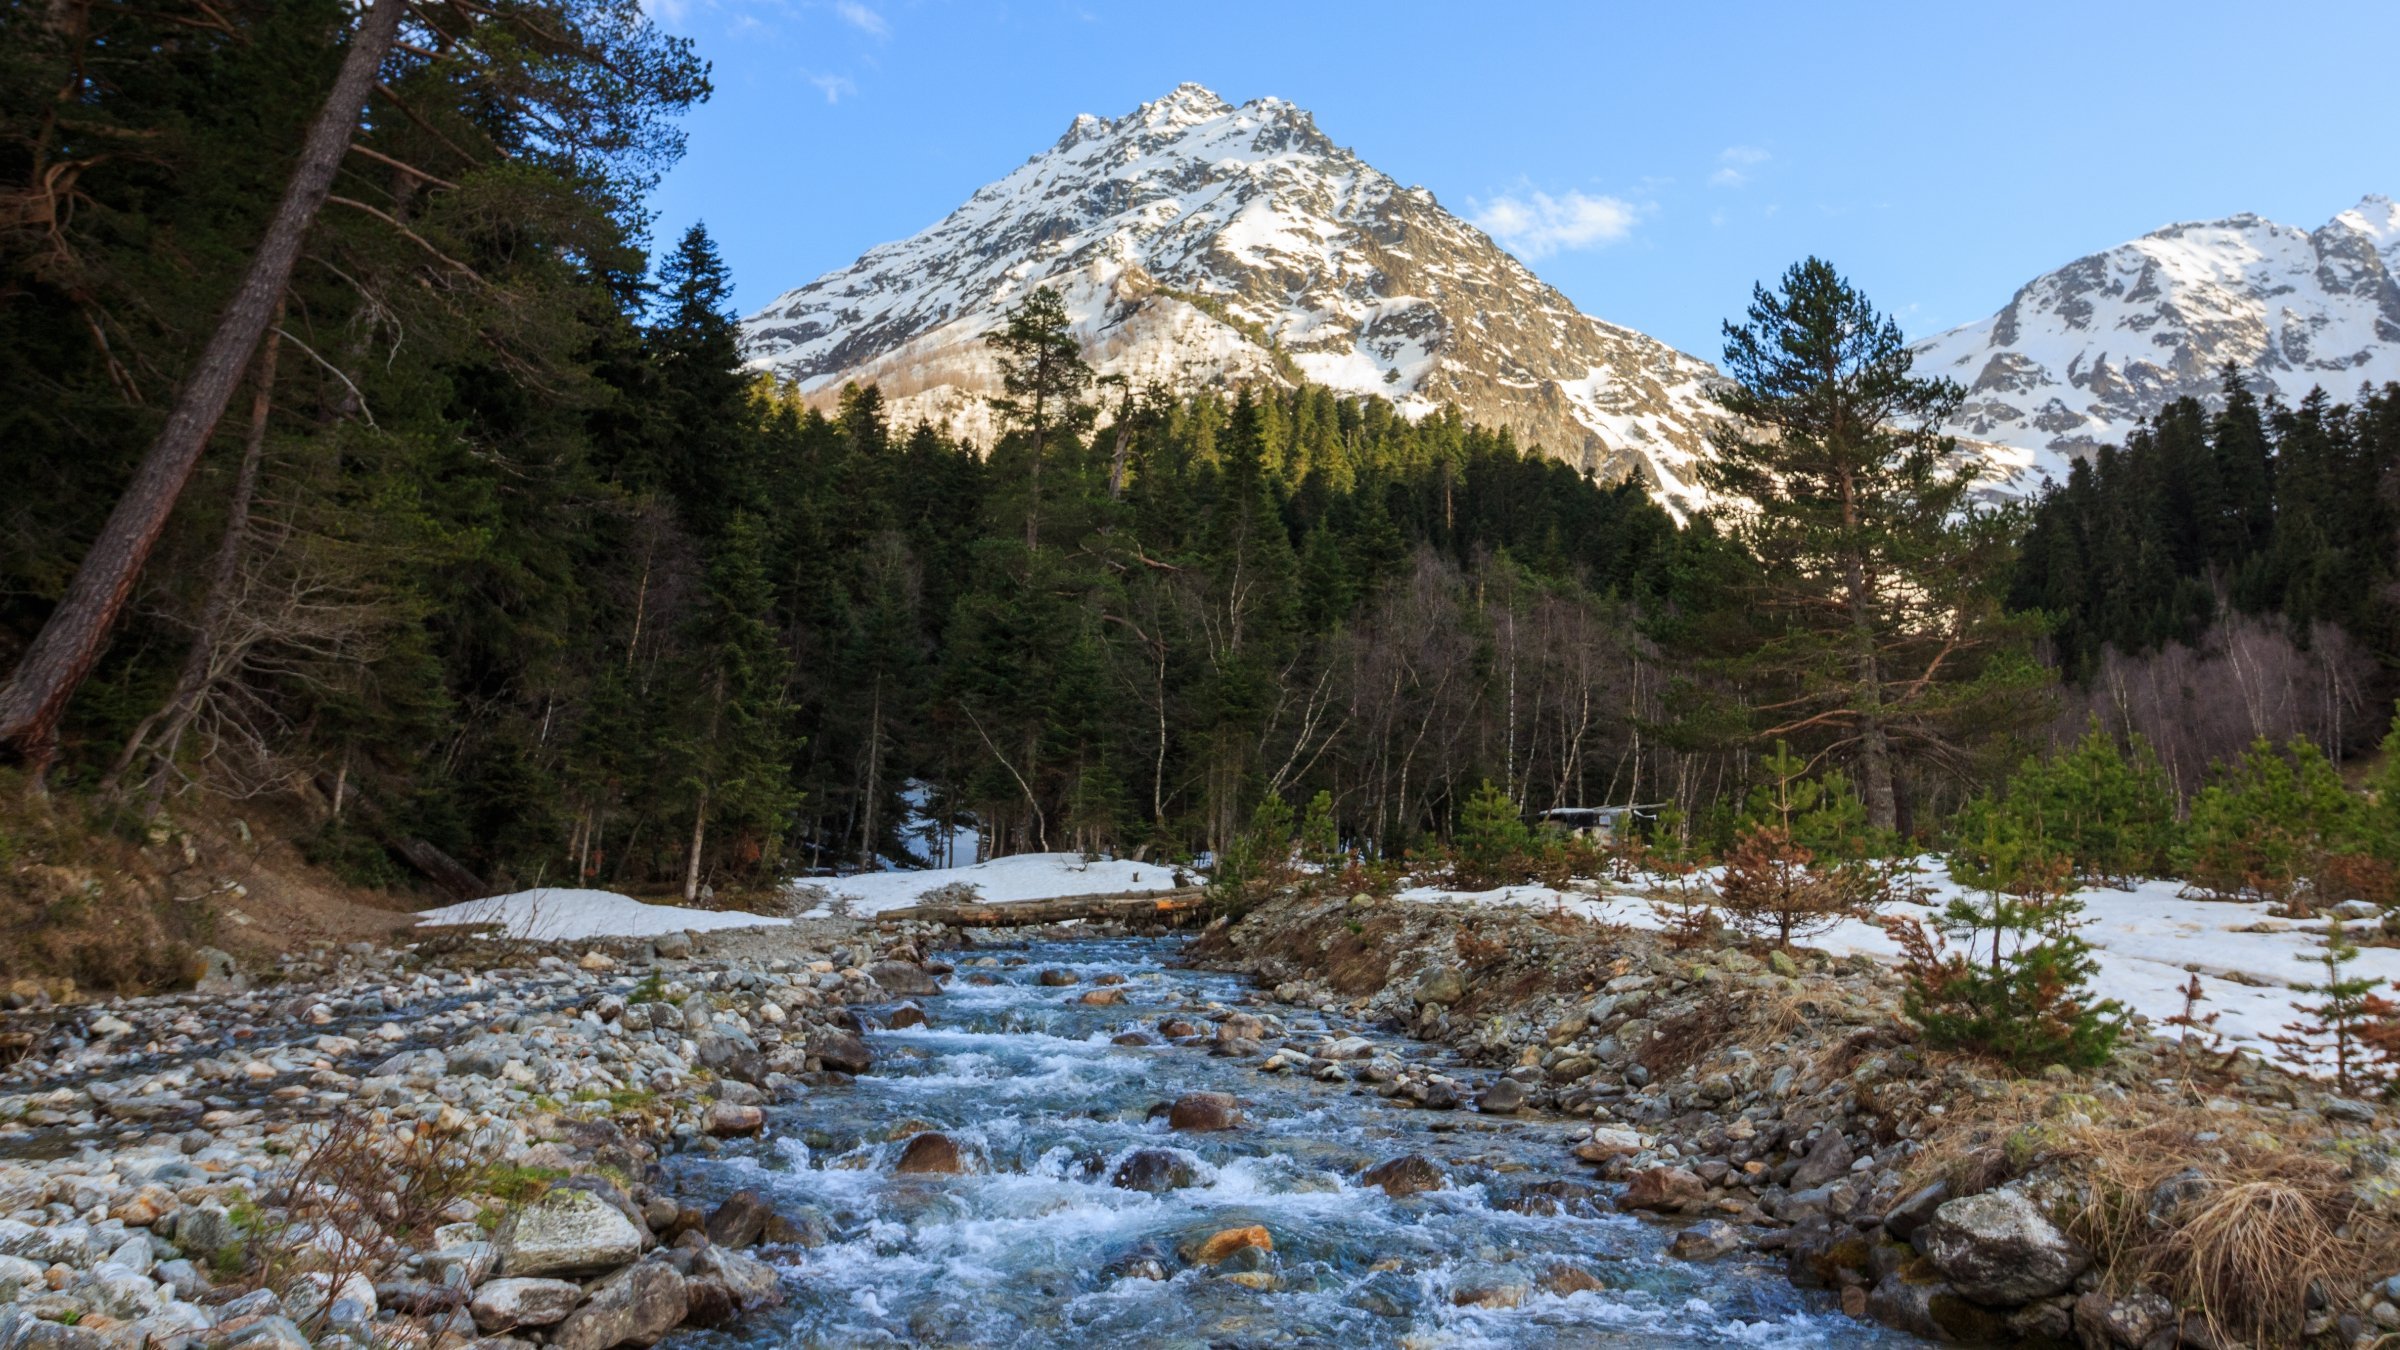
1025, 876
552, 914
2148, 942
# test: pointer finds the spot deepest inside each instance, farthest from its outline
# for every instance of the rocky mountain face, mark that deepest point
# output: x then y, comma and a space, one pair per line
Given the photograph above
2081, 355
1196, 242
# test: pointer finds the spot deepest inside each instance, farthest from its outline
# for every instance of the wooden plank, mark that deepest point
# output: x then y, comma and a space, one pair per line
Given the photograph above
1122, 906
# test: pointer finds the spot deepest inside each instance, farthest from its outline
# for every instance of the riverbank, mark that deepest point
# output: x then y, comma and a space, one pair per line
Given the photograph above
457, 1142
1780, 1104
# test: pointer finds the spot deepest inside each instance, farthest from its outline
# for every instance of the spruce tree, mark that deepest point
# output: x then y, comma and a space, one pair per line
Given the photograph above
1878, 580
1044, 375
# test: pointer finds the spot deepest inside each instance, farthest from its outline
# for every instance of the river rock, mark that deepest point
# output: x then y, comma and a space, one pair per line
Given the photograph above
906, 1015
1905, 1218
729, 1053
1443, 986
722, 1285
841, 1050
1827, 1161
2131, 1320
1055, 978
728, 1121
633, 1308
1505, 1097
1218, 1246
565, 1232
904, 979
507, 1303
1610, 1141
930, 1153
1997, 1248
1705, 1241
1663, 1188
740, 1221
265, 1333
1153, 1170
1404, 1176
1204, 1111
1102, 998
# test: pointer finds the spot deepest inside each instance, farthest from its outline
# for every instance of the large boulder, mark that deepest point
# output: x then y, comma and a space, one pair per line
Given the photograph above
729, 1052
565, 1232
1204, 1111
630, 1310
505, 1303
1998, 1249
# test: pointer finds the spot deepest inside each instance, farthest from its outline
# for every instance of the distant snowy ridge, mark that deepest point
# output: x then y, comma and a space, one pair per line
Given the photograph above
2082, 355
1200, 243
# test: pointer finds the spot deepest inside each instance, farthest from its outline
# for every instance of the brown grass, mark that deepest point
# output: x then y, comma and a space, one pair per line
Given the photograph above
2271, 1214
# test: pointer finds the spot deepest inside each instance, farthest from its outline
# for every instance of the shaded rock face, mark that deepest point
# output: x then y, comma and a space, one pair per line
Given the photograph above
1998, 1248
565, 1232
1203, 243
721, 1286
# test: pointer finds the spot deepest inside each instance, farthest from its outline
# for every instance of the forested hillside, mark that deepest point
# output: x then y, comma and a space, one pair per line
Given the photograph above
498, 567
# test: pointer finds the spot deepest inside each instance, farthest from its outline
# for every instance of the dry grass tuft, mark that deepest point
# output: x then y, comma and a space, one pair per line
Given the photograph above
2231, 1224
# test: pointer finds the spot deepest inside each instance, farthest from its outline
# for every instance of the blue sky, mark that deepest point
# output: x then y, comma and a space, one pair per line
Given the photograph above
1650, 160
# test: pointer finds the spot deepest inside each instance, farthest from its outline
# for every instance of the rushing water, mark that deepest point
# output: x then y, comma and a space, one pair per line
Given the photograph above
1035, 1247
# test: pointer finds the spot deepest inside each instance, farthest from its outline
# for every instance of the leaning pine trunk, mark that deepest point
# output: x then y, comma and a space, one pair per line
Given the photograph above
70, 642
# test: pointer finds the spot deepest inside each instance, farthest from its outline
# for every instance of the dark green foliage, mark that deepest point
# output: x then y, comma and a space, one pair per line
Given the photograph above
1492, 841
2013, 981
2279, 511
2112, 816
1875, 624
1820, 813
2270, 822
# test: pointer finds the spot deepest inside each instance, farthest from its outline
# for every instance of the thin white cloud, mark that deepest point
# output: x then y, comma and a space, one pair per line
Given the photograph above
834, 87
1536, 224
863, 19
1734, 164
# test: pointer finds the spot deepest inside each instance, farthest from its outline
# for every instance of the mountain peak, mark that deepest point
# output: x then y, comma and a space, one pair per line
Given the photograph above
1197, 244
2081, 356
1187, 104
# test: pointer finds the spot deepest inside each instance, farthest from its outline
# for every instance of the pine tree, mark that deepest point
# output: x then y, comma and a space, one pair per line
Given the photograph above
2270, 822
2015, 982
1492, 840
734, 759
2348, 1025
2112, 816
1878, 578
1045, 376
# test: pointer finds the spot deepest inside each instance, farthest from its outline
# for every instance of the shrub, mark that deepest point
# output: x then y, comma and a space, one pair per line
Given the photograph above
1821, 814
2112, 816
2351, 1026
1320, 835
2270, 823
1493, 845
2007, 976
1775, 888
1255, 861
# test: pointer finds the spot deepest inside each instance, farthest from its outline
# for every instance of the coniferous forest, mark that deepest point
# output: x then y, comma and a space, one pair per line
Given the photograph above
497, 557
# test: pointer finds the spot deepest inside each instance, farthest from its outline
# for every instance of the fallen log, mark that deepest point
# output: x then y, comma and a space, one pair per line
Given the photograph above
1123, 906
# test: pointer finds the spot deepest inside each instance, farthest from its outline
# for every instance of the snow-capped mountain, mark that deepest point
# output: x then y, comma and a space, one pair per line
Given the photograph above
1196, 242
2081, 355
